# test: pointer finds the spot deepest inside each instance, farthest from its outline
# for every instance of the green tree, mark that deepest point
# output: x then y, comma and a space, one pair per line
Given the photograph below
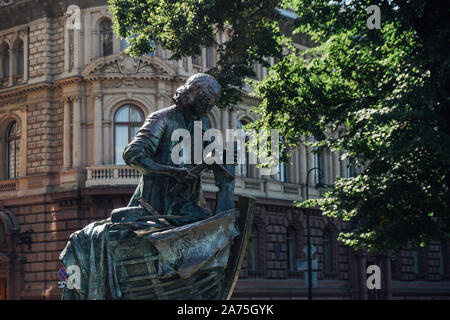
184, 27
385, 90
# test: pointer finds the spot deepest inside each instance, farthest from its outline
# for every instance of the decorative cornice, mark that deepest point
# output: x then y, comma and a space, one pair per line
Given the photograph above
69, 80
123, 66
14, 91
12, 101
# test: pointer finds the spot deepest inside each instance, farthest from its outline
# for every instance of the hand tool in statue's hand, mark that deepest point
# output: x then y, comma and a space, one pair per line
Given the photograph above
185, 185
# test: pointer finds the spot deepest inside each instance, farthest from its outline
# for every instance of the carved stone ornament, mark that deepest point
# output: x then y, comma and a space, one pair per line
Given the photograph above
123, 64
128, 64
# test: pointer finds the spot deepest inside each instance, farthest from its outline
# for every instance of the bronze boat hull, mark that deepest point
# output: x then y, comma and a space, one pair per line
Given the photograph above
137, 277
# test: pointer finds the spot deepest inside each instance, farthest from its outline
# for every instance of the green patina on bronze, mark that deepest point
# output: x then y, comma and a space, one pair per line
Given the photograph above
165, 244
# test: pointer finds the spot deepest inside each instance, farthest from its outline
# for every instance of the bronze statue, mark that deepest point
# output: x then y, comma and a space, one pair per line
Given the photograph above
151, 149
165, 244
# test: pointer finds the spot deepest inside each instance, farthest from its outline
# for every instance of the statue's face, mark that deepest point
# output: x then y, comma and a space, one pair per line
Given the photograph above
203, 102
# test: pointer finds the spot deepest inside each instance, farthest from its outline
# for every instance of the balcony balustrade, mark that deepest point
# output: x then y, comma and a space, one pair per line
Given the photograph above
115, 175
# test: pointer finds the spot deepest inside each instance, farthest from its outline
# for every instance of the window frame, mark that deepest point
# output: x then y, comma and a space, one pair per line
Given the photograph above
291, 248
331, 260
105, 32
318, 163
420, 263
8, 141
129, 124
19, 59
3, 238
351, 169
6, 57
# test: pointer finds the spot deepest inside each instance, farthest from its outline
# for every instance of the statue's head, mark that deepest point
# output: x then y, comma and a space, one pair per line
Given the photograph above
200, 93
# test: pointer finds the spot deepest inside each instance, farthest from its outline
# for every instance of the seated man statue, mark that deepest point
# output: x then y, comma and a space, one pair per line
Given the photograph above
158, 193
151, 153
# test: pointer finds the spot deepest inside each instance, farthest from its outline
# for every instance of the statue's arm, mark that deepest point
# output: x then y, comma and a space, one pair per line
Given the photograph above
139, 152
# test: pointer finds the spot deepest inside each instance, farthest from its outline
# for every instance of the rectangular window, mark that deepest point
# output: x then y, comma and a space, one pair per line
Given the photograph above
318, 163
197, 60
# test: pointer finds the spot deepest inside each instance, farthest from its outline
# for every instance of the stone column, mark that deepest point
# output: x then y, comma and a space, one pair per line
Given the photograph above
326, 167
66, 131
189, 65
76, 132
98, 135
271, 61
108, 145
336, 166
11, 66
78, 49
264, 71
224, 119
233, 118
66, 48
160, 94
204, 59
180, 68
25, 57
223, 36
294, 167
88, 38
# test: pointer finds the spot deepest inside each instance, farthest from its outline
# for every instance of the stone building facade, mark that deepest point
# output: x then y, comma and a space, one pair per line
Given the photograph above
70, 100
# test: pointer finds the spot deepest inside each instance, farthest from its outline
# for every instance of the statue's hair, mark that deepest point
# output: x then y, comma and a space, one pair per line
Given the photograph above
184, 94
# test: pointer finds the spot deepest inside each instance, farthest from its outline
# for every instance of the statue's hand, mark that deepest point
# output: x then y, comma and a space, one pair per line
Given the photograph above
183, 175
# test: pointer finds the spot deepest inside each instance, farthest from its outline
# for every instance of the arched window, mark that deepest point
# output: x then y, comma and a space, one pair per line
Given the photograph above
12, 151
290, 247
252, 250
327, 254
106, 38
19, 59
127, 121
5, 61
244, 169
